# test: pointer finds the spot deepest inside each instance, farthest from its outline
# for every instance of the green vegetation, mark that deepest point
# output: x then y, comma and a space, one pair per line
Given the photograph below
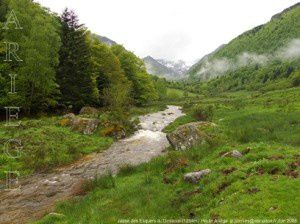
173, 93
35, 82
143, 89
261, 184
179, 121
74, 69
261, 58
73, 73
66, 68
45, 145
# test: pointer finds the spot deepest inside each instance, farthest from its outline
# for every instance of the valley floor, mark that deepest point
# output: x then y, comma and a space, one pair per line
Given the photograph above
39, 192
263, 184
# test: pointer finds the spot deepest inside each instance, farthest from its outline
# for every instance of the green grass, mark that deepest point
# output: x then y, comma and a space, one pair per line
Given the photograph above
137, 111
179, 121
178, 93
157, 189
263, 184
46, 145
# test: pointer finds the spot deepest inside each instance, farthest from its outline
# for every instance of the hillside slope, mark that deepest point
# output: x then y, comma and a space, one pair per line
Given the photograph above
255, 46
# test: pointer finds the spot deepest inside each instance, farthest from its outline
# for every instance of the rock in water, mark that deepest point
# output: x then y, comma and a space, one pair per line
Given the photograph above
188, 135
88, 111
86, 126
194, 177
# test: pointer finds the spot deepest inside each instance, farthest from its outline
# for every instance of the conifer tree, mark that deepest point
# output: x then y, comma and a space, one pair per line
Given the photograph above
74, 72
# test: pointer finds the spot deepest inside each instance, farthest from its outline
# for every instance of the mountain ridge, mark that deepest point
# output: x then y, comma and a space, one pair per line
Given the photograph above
264, 39
165, 68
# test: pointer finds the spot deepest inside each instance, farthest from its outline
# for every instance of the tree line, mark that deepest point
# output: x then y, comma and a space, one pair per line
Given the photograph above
65, 66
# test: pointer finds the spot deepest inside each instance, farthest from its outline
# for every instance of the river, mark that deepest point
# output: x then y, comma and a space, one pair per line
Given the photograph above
40, 192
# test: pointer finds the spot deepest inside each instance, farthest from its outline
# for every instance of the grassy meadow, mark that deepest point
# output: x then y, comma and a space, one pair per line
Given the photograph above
45, 145
264, 183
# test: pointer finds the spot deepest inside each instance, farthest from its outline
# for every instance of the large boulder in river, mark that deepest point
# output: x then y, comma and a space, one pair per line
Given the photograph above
88, 111
188, 135
86, 126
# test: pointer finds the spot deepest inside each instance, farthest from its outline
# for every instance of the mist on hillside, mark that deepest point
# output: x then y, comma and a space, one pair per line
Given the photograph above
220, 66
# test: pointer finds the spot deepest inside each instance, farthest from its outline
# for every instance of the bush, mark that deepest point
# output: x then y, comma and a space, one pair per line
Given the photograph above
296, 80
173, 96
203, 112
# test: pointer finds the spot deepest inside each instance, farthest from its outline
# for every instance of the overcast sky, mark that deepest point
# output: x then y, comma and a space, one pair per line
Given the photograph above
171, 29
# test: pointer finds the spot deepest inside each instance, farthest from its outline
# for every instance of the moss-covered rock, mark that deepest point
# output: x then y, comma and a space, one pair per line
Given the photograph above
86, 126
189, 135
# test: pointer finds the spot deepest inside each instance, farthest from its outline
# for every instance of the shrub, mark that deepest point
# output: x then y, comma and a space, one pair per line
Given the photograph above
203, 112
296, 79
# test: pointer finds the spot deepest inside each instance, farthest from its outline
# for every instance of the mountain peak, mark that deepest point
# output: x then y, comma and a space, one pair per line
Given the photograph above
165, 68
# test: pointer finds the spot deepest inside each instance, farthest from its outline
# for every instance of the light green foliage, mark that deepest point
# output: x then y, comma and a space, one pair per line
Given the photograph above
160, 86
112, 85
179, 94
143, 90
36, 85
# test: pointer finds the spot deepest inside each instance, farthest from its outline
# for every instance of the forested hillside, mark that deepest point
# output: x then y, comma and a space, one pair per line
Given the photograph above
264, 57
63, 66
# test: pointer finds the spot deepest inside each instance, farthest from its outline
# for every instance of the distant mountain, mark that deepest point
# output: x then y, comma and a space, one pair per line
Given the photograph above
165, 68
259, 45
179, 67
105, 40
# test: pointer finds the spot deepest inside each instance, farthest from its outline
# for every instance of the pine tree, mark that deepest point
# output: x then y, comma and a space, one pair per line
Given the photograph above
74, 71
